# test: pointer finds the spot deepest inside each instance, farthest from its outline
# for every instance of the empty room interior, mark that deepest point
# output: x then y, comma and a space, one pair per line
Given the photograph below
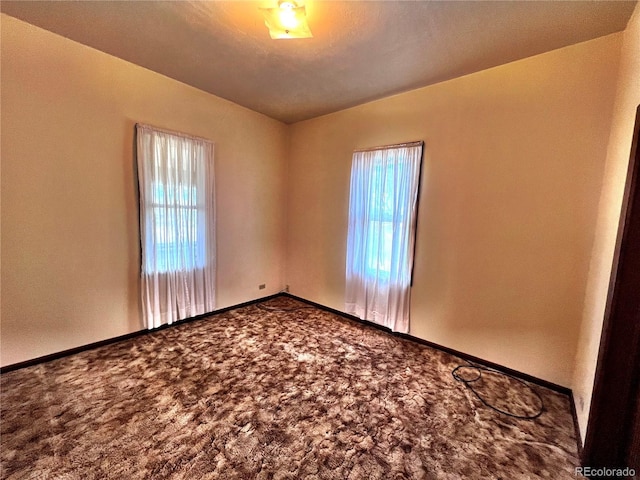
280, 357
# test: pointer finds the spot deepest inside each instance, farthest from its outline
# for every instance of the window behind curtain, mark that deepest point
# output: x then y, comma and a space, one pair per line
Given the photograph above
174, 222
381, 233
177, 225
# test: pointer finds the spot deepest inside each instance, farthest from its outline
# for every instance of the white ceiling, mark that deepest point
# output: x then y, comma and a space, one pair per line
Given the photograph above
361, 50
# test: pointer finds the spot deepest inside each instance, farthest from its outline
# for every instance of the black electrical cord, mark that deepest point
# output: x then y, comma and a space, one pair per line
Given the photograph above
467, 382
479, 369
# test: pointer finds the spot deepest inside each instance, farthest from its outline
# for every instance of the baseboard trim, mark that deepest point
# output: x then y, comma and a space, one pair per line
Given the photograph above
457, 353
501, 368
576, 424
465, 356
127, 336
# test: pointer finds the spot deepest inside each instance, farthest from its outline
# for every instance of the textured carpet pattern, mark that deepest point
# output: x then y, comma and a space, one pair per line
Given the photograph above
262, 393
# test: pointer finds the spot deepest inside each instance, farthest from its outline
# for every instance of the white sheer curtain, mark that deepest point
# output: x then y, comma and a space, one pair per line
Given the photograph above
381, 234
177, 225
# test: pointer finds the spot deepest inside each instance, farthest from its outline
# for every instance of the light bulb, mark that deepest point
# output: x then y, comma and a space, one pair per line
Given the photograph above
288, 18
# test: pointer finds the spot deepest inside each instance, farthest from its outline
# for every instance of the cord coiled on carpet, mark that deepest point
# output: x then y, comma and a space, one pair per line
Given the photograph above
455, 373
479, 369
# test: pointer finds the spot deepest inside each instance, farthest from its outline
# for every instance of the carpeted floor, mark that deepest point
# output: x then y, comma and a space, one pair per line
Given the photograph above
273, 391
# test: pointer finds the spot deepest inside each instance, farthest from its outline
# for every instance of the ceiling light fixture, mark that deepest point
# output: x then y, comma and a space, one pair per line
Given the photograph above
288, 20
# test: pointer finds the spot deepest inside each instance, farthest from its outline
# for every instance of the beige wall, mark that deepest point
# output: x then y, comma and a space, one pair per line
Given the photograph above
70, 244
626, 102
513, 166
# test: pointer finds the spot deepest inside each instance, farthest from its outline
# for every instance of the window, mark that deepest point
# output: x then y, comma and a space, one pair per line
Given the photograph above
176, 215
177, 218
380, 222
381, 233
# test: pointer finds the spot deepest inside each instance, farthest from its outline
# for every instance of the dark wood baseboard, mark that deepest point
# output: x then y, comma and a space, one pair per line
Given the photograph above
127, 336
465, 356
495, 366
457, 353
576, 425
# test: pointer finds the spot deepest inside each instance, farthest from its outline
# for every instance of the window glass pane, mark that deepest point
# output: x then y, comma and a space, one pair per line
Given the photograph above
379, 248
174, 239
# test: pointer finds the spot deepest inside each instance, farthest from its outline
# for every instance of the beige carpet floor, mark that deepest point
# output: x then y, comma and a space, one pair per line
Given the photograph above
274, 391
